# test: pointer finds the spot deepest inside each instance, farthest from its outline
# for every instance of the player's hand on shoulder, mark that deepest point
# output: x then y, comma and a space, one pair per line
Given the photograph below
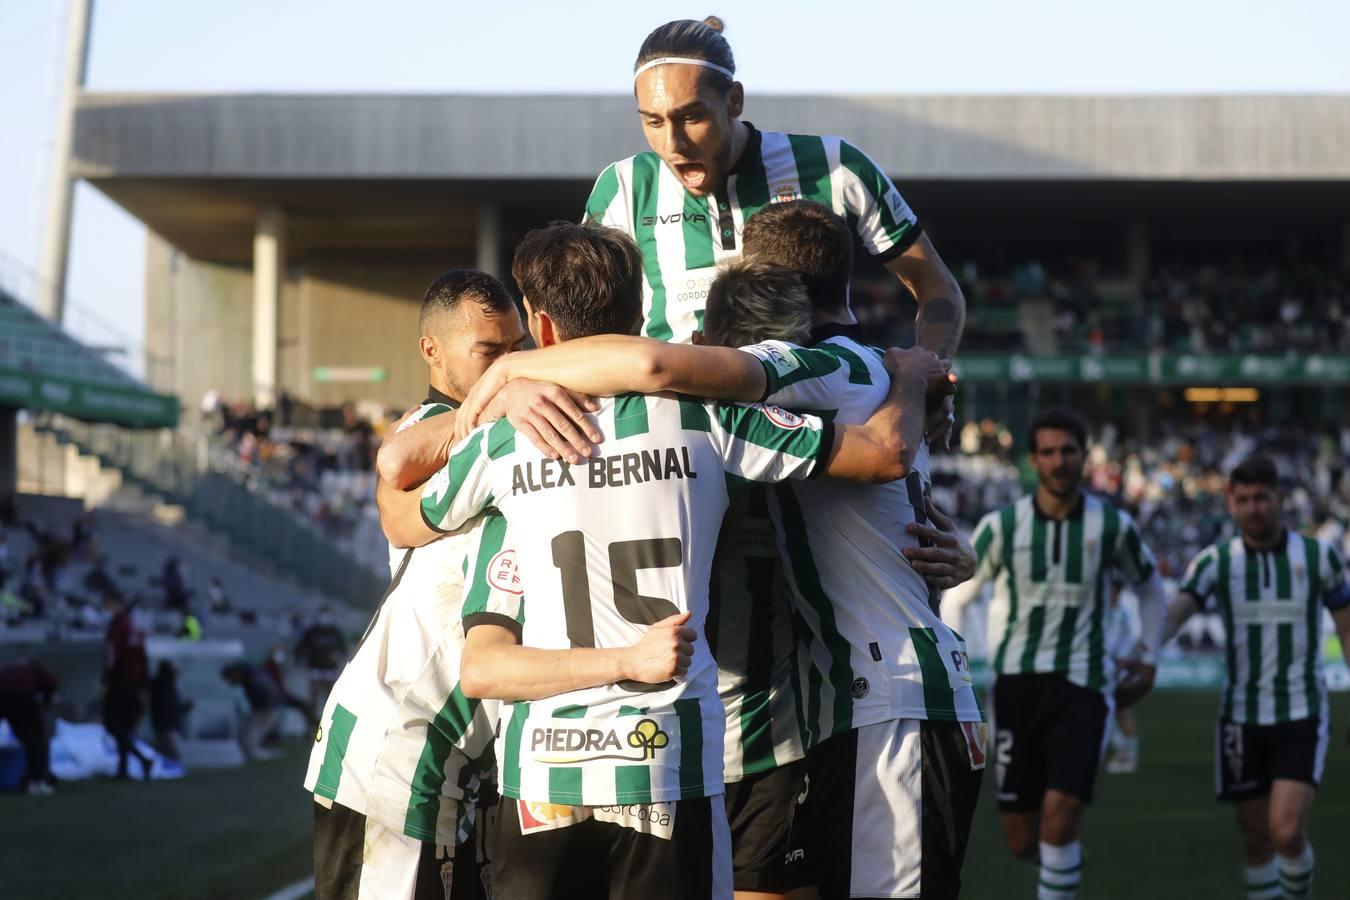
949, 559
552, 418
663, 653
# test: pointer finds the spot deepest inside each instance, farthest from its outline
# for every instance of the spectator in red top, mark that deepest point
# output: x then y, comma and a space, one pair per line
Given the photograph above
126, 678
26, 692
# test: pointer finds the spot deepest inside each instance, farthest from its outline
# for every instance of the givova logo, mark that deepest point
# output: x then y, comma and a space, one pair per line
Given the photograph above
568, 745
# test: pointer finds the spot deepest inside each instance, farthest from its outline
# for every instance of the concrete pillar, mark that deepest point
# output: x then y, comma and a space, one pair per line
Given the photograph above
1137, 250
490, 239
51, 300
9, 452
269, 273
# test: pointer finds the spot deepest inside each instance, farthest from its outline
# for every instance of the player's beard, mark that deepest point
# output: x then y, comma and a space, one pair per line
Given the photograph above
1062, 483
1259, 529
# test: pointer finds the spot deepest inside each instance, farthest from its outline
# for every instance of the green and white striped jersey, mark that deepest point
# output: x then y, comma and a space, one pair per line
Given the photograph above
1051, 594
876, 647
750, 633
683, 237
1271, 603
398, 741
607, 548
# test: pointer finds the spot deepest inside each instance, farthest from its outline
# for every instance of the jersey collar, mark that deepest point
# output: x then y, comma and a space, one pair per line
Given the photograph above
827, 330
1278, 547
1075, 513
749, 151
435, 396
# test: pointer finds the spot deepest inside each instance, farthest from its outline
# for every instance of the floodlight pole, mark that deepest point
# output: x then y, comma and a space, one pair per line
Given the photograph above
56, 234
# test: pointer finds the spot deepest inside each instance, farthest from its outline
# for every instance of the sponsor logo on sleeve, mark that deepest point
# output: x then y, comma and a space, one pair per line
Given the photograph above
783, 363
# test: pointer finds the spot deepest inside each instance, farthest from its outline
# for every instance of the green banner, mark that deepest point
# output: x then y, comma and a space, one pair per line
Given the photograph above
88, 401
1162, 369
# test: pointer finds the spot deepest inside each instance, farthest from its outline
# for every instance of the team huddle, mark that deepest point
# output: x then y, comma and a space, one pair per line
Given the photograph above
665, 614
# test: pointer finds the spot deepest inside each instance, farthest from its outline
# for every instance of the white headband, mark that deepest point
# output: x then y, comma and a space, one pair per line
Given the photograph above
687, 61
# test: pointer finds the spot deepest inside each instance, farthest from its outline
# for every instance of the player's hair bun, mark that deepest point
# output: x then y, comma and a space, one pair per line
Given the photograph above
715, 23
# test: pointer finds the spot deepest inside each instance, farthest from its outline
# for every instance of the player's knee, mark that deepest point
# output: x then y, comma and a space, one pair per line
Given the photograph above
1286, 835
1023, 844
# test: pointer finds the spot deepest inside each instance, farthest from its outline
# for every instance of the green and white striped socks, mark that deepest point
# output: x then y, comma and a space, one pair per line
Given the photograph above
1061, 870
1263, 882
1296, 874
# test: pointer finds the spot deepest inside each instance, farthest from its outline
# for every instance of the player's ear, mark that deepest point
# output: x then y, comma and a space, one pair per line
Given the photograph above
429, 349
735, 100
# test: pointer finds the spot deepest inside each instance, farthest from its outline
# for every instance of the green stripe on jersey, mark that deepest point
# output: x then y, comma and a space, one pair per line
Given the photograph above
813, 167
693, 414
339, 735
1252, 578
632, 784
630, 415
1252, 708
812, 362
690, 715
646, 179
753, 425
1035, 631
1038, 561
1007, 518
1073, 558
1312, 553
938, 699
1193, 585
570, 711
1097, 627
983, 538
603, 194
804, 572
1064, 643
752, 185
424, 799
490, 541
501, 439
511, 749
875, 184
698, 241
1284, 578
564, 785
1225, 600
1284, 658
858, 373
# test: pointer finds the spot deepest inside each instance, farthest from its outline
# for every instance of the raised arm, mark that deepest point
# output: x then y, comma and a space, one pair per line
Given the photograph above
942, 306
496, 666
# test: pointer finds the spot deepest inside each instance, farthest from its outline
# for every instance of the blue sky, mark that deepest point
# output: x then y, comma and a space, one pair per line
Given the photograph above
787, 46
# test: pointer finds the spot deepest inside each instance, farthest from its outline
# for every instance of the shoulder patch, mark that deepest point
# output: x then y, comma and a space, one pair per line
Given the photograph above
503, 574
783, 418
783, 362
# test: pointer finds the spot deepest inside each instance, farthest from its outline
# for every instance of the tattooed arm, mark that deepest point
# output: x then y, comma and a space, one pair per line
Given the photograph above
941, 319
942, 308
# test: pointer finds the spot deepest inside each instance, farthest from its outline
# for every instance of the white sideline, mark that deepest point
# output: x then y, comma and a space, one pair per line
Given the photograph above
293, 891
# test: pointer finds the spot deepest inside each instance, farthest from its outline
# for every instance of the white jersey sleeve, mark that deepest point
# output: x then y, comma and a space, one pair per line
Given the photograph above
885, 223
1133, 557
759, 442
803, 378
608, 203
464, 485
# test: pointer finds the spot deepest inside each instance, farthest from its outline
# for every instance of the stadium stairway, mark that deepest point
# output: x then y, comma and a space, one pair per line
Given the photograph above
169, 466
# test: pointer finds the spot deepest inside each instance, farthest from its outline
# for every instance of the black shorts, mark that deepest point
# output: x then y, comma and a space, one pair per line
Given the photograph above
885, 810
595, 860
340, 844
759, 812
1049, 733
1249, 758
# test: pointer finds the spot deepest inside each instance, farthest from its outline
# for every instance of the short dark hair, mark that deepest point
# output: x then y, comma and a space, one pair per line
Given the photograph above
752, 301
450, 289
691, 39
1059, 420
1255, 470
811, 240
588, 278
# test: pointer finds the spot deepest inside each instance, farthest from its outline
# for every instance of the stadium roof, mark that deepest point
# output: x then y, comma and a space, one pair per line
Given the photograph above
373, 171
43, 368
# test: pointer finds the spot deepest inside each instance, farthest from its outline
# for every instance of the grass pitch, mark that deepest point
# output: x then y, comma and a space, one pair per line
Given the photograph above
244, 833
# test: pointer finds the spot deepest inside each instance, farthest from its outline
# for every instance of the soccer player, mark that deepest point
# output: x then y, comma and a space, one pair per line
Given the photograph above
1049, 556
888, 693
1270, 585
400, 751
612, 547
685, 202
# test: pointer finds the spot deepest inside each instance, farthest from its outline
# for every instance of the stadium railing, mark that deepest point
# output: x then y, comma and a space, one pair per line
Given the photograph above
178, 467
